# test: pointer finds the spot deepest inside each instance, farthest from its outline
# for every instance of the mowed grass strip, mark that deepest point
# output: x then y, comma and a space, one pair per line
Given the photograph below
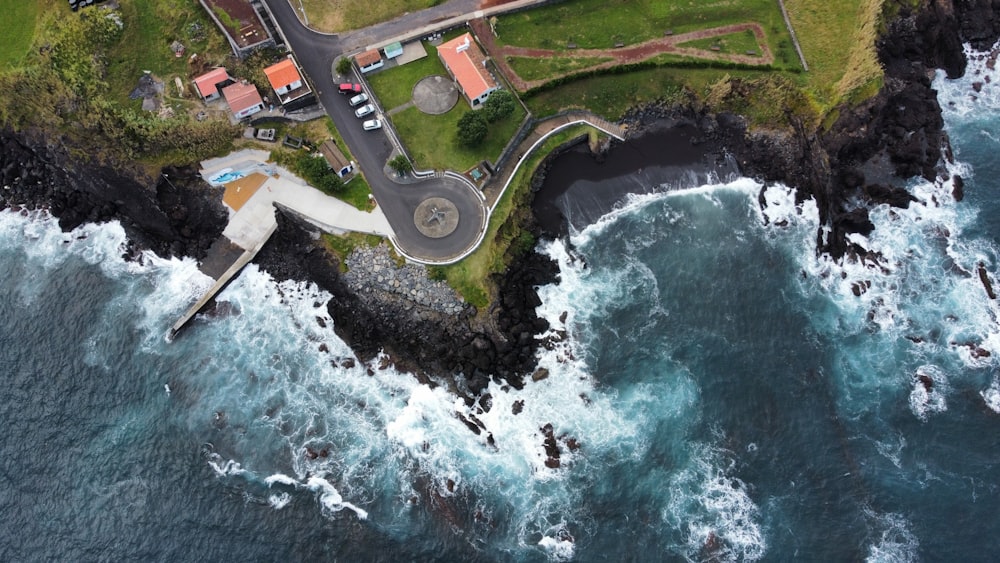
598, 24
611, 95
18, 30
530, 68
333, 16
734, 43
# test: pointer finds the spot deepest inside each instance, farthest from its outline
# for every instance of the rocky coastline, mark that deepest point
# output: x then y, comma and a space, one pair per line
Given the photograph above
864, 157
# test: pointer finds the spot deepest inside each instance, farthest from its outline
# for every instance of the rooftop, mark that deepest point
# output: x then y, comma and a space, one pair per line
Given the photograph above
368, 57
282, 73
466, 62
241, 96
206, 82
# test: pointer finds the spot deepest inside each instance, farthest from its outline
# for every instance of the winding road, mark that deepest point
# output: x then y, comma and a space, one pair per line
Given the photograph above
316, 53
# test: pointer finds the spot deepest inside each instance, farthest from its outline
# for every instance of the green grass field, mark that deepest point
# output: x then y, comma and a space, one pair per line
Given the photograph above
537, 69
433, 139
838, 41
18, 30
394, 86
598, 24
150, 28
333, 16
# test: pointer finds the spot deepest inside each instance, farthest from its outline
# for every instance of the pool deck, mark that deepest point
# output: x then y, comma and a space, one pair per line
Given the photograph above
252, 220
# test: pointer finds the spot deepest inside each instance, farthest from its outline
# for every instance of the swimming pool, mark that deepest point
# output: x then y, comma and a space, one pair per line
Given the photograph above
224, 176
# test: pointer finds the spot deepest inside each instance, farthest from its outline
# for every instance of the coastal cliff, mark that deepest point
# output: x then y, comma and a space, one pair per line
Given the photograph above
864, 156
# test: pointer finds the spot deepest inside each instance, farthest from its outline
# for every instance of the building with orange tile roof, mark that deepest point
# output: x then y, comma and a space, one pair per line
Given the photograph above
286, 80
207, 84
243, 99
467, 64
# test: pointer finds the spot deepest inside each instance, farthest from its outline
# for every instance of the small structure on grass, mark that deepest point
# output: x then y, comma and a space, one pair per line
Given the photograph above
467, 64
243, 98
369, 60
336, 159
208, 84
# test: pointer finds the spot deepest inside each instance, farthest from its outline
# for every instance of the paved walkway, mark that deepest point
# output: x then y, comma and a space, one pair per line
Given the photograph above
541, 131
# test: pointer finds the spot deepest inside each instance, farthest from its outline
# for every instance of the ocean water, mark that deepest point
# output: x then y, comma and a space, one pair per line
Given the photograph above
722, 394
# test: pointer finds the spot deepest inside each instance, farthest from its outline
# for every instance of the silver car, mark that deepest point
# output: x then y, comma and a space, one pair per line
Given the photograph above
359, 99
371, 125
364, 110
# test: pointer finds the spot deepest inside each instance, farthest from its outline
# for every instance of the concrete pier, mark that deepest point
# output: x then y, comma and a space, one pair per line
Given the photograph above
254, 188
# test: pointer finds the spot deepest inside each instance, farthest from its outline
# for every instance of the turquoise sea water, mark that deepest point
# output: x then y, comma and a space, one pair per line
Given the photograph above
722, 394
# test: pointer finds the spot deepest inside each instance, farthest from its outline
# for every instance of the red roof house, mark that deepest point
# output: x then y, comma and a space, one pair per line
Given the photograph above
286, 80
467, 64
243, 99
208, 84
369, 60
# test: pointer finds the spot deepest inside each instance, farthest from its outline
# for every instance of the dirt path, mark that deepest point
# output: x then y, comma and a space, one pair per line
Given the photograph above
623, 55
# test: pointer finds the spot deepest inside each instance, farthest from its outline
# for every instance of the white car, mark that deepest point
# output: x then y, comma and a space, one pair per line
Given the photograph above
372, 124
359, 99
364, 110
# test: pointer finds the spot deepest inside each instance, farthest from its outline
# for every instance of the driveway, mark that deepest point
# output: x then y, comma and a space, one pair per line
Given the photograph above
316, 53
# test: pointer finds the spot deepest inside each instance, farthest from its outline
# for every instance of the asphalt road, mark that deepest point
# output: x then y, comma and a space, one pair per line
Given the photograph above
315, 53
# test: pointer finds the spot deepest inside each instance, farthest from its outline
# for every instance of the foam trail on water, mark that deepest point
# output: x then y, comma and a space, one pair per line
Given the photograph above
896, 543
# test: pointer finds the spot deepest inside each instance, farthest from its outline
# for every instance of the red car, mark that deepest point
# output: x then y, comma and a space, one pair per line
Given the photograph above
349, 88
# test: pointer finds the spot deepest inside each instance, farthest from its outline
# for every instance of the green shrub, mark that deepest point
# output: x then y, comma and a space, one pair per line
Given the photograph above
499, 105
315, 170
472, 128
344, 66
401, 164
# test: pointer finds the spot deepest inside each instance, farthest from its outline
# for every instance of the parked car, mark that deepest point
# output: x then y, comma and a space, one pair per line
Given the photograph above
364, 110
349, 88
372, 124
359, 99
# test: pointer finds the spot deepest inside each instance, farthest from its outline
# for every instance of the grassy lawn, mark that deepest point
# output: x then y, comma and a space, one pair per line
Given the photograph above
598, 24
19, 30
734, 43
342, 15
432, 140
471, 276
537, 69
838, 41
394, 86
611, 95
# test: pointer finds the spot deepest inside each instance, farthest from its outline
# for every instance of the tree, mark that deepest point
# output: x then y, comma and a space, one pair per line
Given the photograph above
317, 172
400, 164
344, 66
499, 105
472, 128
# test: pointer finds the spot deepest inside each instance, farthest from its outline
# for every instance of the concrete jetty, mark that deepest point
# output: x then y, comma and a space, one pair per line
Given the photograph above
254, 188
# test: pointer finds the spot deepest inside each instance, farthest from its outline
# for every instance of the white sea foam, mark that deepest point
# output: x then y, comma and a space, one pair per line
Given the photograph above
930, 386
330, 498
559, 548
959, 99
281, 479
279, 501
991, 396
715, 508
896, 543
